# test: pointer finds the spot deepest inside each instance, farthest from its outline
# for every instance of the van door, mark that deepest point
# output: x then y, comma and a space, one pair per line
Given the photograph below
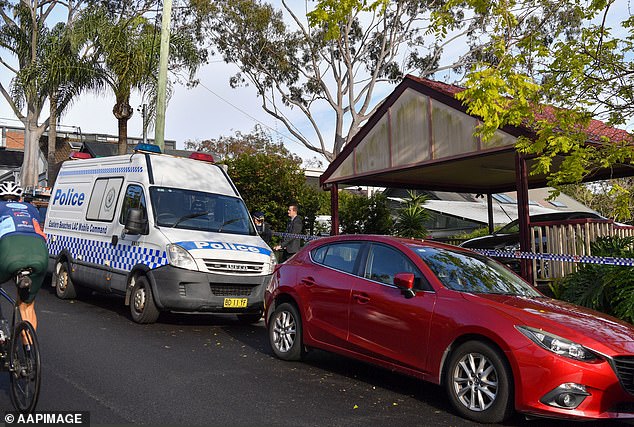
91, 239
128, 248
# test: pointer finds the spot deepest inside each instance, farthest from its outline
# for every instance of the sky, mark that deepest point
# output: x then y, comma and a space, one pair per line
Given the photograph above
209, 110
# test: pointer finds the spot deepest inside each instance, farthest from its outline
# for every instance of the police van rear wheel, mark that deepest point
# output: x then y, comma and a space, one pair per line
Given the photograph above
142, 306
64, 287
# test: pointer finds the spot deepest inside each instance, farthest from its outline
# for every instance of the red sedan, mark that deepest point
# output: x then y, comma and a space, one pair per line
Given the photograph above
456, 318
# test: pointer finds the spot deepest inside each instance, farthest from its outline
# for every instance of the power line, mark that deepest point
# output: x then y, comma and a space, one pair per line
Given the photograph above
253, 118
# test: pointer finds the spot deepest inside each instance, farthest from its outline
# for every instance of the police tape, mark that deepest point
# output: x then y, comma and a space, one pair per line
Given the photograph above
295, 236
581, 259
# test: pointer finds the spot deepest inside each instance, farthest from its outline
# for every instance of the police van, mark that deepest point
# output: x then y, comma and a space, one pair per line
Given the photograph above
167, 233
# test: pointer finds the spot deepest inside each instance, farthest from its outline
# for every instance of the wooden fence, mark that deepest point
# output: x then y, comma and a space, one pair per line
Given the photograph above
571, 237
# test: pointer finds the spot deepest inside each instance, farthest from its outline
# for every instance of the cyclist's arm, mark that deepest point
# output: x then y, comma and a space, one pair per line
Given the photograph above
38, 229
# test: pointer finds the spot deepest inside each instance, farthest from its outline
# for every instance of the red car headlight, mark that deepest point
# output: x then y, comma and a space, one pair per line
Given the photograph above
558, 345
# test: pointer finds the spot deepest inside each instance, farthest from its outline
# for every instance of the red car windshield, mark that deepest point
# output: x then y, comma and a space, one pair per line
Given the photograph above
465, 272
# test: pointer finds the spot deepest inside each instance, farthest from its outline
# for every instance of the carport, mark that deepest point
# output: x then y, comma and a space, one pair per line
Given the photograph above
421, 137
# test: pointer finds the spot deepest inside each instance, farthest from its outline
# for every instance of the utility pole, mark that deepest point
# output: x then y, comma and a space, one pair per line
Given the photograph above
144, 114
159, 132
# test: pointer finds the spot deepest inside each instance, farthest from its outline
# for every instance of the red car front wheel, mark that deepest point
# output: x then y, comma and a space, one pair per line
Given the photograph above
479, 383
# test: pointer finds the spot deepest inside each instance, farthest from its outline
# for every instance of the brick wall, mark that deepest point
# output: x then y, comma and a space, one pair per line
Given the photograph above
15, 140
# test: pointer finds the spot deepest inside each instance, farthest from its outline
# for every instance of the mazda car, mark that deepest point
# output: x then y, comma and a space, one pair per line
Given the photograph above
456, 318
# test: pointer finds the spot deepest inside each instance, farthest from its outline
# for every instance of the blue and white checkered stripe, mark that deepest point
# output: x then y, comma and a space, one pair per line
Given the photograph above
103, 171
557, 257
295, 236
120, 257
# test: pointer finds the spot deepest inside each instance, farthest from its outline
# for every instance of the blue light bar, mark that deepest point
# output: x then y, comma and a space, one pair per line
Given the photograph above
147, 148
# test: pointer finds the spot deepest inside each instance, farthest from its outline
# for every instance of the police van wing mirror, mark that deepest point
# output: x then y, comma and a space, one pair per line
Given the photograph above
136, 223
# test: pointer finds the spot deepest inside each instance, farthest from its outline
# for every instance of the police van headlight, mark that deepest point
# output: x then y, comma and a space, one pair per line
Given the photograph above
270, 266
181, 258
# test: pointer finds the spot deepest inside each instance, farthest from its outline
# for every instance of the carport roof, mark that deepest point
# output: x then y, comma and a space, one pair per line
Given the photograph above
422, 137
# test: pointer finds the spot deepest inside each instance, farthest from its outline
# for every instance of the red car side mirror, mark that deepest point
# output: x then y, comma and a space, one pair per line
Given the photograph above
405, 282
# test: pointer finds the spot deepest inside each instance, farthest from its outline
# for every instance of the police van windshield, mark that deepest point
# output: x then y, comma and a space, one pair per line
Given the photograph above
195, 210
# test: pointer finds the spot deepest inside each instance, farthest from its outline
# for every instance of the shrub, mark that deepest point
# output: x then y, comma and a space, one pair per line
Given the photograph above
606, 288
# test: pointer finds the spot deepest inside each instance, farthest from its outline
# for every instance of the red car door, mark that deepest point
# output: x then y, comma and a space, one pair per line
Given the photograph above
324, 286
383, 323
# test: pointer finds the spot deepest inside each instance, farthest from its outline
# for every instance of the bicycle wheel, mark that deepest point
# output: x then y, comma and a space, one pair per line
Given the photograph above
25, 368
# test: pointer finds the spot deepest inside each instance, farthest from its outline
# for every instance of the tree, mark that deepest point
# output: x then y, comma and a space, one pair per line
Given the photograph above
411, 218
128, 43
24, 34
613, 198
554, 66
359, 214
71, 70
267, 175
331, 58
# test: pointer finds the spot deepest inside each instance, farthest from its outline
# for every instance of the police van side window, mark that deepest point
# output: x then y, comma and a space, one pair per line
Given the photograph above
134, 198
103, 199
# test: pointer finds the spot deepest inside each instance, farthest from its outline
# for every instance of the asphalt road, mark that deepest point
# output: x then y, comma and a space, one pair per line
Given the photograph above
211, 370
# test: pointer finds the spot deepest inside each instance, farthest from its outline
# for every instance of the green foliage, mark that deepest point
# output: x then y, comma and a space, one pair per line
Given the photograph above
563, 56
613, 199
602, 287
128, 45
359, 214
478, 232
334, 14
411, 217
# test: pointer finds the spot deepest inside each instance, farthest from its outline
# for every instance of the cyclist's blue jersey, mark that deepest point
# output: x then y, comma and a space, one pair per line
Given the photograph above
18, 218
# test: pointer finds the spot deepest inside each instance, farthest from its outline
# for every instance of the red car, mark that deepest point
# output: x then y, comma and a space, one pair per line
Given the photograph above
456, 318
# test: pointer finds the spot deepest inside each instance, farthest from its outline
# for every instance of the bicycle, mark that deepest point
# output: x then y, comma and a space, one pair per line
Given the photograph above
20, 354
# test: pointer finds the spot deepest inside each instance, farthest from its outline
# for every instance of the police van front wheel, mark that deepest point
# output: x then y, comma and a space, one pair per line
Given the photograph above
64, 287
142, 306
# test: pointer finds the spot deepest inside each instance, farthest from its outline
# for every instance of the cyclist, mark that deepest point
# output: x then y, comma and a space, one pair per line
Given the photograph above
22, 248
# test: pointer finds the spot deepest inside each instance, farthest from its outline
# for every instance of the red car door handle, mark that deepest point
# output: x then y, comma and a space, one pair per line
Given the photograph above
361, 298
308, 281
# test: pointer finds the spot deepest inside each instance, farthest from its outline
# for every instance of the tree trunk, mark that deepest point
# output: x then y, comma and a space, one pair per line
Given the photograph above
52, 141
123, 136
29, 176
123, 111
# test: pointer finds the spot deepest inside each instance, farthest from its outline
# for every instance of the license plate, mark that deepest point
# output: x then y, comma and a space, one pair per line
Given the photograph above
235, 302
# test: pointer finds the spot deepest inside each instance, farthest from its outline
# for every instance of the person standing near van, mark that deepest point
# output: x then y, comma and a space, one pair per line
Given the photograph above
22, 247
263, 228
291, 244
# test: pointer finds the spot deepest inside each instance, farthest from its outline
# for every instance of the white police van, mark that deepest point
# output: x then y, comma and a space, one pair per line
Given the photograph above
167, 233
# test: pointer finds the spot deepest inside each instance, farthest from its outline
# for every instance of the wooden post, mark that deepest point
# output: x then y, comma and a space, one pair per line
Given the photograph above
521, 181
334, 209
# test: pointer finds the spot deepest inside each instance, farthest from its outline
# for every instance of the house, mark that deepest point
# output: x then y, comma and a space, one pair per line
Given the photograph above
68, 139
452, 214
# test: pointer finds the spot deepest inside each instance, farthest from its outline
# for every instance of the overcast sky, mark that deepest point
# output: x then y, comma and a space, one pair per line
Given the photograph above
210, 110
207, 111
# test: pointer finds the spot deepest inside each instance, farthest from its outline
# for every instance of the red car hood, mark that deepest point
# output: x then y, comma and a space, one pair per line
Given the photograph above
587, 327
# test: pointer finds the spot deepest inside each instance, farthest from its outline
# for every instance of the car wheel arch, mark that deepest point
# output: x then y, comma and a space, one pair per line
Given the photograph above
281, 299
456, 343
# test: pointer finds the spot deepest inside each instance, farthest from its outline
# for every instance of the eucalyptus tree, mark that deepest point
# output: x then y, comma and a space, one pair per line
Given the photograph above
333, 58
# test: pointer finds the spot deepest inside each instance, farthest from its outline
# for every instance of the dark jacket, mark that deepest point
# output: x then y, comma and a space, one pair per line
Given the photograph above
264, 230
295, 226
